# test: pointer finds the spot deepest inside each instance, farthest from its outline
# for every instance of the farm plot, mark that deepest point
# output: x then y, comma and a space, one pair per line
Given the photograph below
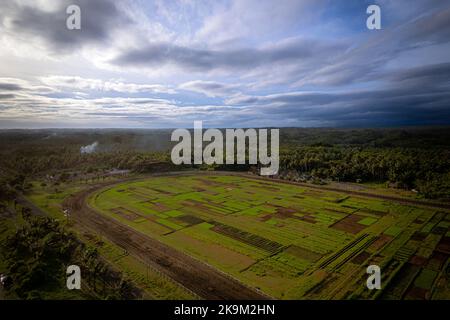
289, 241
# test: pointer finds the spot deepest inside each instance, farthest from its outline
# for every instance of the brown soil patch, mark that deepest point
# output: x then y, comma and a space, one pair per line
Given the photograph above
361, 258
303, 253
160, 207
335, 211
444, 245
417, 293
307, 218
284, 213
160, 191
125, 213
381, 241
266, 217
419, 236
418, 261
350, 224
374, 212
190, 220
437, 260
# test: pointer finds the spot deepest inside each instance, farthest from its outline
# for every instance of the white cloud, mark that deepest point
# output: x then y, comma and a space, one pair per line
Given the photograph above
19, 85
249, 55
79, 83
240, 21
211, 88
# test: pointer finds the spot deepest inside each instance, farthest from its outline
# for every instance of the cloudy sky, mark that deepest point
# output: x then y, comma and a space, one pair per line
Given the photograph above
241, 63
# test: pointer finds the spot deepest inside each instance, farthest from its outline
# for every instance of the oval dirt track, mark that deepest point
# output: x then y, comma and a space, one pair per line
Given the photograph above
200, 278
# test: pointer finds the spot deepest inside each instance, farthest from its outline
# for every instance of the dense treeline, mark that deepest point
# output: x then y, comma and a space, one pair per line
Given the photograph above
409, 158
32, 164
411, 137
428, 170
38, 253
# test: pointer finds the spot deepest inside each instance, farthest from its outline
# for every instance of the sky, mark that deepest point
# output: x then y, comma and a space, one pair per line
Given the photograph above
234, 63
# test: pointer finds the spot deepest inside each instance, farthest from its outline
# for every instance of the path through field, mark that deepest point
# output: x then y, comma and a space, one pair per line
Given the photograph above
202, 279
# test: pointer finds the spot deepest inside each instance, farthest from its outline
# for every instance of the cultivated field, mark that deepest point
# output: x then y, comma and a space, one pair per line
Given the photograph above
291, 242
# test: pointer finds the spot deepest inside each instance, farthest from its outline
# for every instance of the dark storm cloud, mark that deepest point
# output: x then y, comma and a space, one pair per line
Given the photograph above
310, 61
211, 88
158, 54
10, 87
376, 108
431, 29
424, 75
6, 96
424, 100
363, 62
98, 18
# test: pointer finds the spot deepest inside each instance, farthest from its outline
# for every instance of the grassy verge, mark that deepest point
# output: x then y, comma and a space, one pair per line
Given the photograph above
155, 284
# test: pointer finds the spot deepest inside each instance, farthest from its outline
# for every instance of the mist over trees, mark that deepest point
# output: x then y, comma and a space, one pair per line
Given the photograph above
409, 158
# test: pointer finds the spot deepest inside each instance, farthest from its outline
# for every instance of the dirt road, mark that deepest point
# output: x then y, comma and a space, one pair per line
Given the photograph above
24, 202
438, 205
204, 280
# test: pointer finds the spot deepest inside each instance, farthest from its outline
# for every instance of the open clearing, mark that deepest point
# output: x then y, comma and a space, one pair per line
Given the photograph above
290, 241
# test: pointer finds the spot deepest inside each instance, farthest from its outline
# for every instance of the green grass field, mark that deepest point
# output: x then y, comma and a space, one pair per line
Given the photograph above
155, 284
291, 242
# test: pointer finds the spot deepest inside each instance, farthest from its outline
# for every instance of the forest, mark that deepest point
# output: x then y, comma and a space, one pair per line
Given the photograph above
407, 158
